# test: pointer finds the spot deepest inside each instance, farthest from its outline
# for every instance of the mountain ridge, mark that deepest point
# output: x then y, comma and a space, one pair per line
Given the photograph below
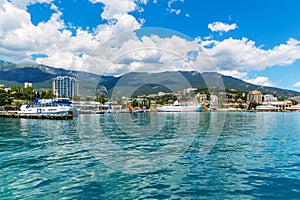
41, 76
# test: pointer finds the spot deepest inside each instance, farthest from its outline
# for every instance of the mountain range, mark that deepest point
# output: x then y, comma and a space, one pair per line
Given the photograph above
129, 84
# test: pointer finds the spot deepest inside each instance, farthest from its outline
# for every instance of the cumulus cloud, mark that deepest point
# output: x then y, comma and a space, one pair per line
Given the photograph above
113, 9
171, 8
24, 3
243, 54
261, 80
19, 38
297, 84
111, 48
233, 73
114, 47
148, 54
221, 27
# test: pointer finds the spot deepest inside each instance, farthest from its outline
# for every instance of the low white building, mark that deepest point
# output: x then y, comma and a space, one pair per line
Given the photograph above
189, 90
26, 85
278, 105
269, 98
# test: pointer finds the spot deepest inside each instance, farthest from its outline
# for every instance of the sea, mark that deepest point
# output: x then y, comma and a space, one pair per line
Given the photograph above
213, 155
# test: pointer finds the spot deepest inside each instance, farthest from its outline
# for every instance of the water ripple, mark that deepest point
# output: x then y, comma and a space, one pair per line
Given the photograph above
256, 156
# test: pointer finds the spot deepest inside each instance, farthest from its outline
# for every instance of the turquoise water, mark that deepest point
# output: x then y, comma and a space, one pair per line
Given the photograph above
153, 155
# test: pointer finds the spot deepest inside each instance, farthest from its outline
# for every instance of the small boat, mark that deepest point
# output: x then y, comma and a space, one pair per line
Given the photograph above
267, 108
131, 109
176, 107
48, 106
99, 111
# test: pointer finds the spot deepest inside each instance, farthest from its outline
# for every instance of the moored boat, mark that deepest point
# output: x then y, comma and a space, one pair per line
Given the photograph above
176, 107
48, 106
267, 108
294, 108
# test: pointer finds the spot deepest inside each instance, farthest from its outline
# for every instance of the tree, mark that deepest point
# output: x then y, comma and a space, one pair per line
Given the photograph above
252, 106
49, 94
241, 106
16, 89
4, 98
101, 98
28, 94
16, 92
135, 103
76, 98
166, 98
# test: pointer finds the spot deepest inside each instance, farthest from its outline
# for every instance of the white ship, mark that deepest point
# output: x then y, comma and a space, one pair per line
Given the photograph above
295, 108
48, 106
176, 107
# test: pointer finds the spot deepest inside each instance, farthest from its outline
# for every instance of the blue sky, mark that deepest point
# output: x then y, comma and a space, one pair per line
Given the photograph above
257, 41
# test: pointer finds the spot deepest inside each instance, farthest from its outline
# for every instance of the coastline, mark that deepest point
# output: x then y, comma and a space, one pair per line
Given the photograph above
14, 114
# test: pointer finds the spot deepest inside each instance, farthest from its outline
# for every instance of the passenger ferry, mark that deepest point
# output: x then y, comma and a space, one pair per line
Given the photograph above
48, 106
176, 107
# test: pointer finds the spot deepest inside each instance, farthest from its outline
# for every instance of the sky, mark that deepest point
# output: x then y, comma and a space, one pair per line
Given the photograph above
257, 41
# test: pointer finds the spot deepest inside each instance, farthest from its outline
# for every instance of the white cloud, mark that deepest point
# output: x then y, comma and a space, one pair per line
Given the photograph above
115, 8
234, 73
221, 27
261, 80
148, 54
24, 3
171, 9
114, 47
176, 11
297, 84
19, 38
243, 54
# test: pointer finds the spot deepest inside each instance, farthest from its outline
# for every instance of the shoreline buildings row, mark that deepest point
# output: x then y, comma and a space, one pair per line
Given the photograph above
68, 87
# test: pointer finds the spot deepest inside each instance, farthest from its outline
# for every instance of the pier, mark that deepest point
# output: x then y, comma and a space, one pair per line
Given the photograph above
13, 114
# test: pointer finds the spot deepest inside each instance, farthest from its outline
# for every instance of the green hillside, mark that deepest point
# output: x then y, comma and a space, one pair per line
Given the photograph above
130, 84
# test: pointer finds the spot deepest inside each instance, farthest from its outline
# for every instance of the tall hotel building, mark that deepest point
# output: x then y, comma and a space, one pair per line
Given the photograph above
65, 86
255, 96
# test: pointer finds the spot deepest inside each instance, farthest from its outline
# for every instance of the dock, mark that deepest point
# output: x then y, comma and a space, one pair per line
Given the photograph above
14, 114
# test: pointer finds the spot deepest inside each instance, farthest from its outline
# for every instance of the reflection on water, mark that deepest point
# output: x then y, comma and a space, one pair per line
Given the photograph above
138, 148
152, 155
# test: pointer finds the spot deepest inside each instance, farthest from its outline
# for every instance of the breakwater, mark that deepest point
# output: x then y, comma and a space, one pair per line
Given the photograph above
14, 114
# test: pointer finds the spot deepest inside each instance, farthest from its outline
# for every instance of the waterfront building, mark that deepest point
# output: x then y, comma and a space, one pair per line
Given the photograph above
254, 97
189, 90
277, 105
2, 87
153, 96
160, 94
201, 98
296, 98
269, 98
233, 106
66, 86
214, 102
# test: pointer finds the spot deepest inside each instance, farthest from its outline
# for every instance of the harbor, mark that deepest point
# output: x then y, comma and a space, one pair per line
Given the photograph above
15, 114
47, 159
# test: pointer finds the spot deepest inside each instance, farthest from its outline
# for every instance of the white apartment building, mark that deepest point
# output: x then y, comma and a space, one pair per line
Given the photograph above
65, 86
